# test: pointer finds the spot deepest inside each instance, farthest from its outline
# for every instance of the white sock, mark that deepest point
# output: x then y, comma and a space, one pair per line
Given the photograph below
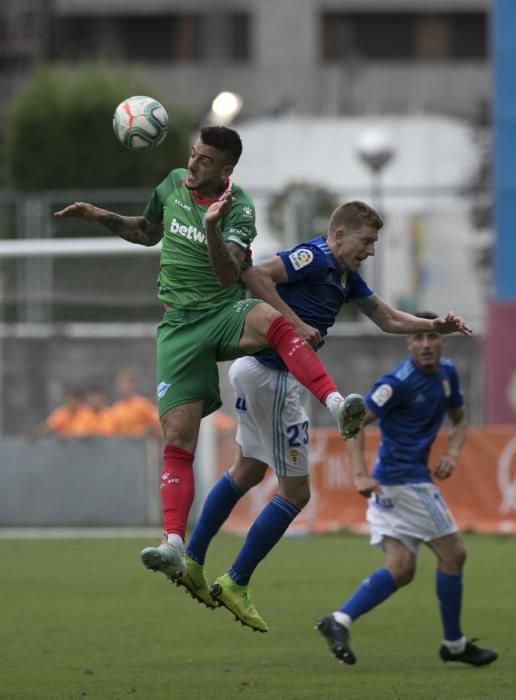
457, 646
333, 401
176, 541
342, 618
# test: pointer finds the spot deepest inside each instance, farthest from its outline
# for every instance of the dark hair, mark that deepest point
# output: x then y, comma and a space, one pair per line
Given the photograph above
224, 139
354, 215
426, 314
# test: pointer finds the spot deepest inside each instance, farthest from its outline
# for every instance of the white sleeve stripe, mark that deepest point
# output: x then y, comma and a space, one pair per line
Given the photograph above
234, 239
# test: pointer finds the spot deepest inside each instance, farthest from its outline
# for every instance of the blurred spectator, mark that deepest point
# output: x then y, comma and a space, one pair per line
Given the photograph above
134, 415
72, 419
224, 422
102, 418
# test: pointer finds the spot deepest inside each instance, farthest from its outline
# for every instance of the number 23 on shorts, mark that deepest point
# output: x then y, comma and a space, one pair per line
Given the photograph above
298, 434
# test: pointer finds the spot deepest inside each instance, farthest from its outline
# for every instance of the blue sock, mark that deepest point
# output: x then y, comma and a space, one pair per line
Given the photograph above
218, 505
449, 593
266, 530
371, 592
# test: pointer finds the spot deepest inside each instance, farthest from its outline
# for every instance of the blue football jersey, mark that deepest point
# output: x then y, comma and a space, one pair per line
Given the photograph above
316, 289
411, 406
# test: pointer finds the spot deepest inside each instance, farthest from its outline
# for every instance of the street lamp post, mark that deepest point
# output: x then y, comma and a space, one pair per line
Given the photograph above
224, 108
375, 149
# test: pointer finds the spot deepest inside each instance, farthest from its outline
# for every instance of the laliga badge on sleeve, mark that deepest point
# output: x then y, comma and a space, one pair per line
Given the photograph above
301, 258
381, 395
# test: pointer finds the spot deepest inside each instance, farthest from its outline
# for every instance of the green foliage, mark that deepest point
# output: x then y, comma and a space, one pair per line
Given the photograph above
83, 619
59, 132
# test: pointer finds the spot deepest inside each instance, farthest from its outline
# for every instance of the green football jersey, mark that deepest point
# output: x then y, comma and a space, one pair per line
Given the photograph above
186, 278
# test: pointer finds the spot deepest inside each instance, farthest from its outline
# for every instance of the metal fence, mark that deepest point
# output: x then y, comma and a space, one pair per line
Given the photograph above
428, 255
73, 311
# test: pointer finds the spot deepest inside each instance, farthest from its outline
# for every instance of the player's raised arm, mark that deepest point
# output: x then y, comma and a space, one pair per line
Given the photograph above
135, 229
451, 323
226, 258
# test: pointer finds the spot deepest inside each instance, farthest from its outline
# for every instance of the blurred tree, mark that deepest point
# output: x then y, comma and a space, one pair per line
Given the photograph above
59, 132
301, 210
478, 190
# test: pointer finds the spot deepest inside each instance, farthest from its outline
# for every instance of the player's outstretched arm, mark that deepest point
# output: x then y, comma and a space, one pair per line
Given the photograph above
391, 320
451, 323
135, 229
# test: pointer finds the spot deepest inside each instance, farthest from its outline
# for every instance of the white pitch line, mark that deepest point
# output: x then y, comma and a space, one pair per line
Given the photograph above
59, 533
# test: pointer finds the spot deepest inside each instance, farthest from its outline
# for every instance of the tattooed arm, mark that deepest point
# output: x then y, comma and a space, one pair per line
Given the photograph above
392, 320
135, 229
226, 258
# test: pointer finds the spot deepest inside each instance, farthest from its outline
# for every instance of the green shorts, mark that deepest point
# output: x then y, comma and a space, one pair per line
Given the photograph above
189, 345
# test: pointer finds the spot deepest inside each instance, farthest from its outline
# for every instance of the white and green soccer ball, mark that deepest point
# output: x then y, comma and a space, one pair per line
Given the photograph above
140, 123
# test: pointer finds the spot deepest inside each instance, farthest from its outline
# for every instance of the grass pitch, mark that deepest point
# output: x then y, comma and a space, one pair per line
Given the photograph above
83, 619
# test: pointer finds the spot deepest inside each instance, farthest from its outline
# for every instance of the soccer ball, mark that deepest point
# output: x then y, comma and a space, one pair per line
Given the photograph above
140, 123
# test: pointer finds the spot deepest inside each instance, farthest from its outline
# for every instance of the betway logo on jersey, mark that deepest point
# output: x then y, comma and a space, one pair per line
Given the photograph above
189, 232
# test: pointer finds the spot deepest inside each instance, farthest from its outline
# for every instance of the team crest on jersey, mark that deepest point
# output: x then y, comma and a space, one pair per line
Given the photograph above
162, 389
247, 211
381, 395
293, 456
301, 258
446, 388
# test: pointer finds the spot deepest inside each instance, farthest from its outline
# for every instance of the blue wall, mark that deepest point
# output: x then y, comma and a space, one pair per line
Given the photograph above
504, 61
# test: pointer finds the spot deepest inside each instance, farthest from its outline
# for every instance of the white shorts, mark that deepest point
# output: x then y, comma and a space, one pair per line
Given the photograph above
272, 421
412, 513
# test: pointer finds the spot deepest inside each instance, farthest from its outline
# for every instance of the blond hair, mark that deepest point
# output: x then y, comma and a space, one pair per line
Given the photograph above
354, 215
